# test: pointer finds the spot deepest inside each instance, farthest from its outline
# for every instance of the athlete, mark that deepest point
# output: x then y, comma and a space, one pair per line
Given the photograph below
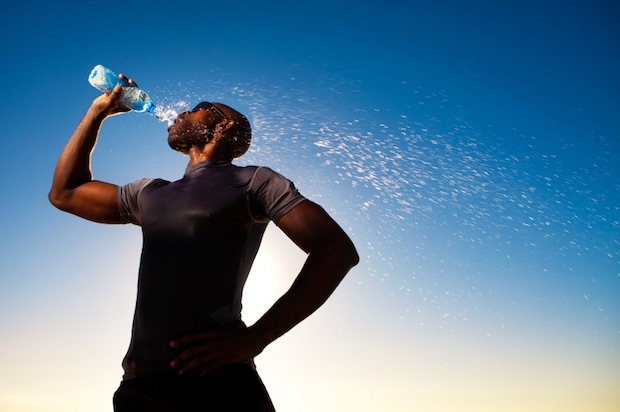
189, 349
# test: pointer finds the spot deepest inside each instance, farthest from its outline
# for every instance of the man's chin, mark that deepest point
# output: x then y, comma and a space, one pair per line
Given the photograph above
177, 144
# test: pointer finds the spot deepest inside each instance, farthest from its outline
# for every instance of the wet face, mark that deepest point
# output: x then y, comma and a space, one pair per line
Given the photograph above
211, 121
193, 128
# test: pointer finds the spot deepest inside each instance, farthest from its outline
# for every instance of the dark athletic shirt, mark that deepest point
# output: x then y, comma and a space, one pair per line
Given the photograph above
200, 237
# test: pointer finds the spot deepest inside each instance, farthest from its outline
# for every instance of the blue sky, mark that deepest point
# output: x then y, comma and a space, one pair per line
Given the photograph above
471, 150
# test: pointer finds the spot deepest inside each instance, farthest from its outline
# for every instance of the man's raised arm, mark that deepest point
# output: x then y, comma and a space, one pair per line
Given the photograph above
73, 188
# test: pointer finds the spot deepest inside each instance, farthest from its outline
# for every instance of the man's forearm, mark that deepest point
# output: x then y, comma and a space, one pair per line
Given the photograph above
321, 274
73, 167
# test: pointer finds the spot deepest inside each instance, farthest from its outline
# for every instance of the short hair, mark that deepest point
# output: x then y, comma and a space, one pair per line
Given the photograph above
240, 135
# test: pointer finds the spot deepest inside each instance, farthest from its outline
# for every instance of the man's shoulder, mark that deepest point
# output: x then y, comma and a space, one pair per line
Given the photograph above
147, 181
257, 172
137, 187
264, 174
264, 170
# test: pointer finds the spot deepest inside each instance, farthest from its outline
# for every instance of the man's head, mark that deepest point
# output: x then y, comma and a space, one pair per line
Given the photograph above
227, 131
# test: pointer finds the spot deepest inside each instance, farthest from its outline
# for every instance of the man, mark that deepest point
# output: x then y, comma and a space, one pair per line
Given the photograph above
189, 349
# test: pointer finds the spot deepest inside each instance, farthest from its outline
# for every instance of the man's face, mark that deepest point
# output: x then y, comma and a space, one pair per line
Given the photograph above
194, 127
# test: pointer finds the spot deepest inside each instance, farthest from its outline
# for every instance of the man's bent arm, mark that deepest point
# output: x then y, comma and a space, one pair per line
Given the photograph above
331, 255
73, 188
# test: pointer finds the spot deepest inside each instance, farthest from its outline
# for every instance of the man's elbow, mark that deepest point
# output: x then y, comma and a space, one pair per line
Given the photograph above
58, 200
339, 249
54, 199
348, 252
354, 257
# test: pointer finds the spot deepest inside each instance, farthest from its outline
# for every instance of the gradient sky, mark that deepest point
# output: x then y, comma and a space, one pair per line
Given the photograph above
471, 149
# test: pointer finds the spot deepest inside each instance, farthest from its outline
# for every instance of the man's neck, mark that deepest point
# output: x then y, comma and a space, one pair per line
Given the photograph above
208, 153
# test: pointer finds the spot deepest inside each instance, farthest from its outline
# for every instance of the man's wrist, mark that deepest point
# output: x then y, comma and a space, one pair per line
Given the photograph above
260, 336
96, 114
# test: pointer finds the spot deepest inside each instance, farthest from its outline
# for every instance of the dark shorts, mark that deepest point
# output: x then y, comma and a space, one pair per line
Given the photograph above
236, 388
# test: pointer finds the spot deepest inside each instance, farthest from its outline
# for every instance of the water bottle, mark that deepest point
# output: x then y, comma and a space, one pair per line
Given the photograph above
134, 98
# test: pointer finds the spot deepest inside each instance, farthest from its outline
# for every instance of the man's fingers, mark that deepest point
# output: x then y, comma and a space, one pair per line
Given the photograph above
192, 353
199, 363
202, 364
128, 81
115, 97
207, 351
116, 91
188, 354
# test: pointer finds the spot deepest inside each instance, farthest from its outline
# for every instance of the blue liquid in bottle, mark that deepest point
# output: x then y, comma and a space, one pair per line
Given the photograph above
104, 79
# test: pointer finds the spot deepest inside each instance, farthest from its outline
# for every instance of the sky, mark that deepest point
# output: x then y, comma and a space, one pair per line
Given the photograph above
470, 149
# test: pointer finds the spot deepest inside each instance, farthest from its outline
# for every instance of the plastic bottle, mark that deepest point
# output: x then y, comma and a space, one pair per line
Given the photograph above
134, 98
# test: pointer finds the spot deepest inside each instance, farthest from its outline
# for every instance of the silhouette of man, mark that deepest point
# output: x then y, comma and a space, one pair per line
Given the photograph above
190, 350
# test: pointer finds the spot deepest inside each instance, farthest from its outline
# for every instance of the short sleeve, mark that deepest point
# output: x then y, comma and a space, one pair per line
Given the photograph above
274, 194
127, 198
